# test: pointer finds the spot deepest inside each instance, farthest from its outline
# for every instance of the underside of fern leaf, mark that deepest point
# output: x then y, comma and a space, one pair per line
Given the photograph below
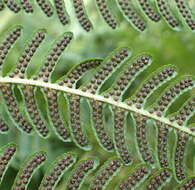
64, 101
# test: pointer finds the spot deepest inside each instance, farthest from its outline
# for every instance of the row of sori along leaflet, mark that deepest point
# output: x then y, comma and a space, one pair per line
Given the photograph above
130, 10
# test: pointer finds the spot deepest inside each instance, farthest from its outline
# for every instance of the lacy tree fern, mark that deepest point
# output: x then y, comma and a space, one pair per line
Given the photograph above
149, 147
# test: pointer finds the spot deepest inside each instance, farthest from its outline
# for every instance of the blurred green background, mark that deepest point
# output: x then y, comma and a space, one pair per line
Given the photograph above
165, 45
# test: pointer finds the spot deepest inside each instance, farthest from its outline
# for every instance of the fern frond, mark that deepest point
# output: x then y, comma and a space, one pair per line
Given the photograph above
82, 15
177, 14
185, 113
102, 135
27, 55
33, 110
159, 179
78, 71
139, 174
171, 94
27, 6
6, 156
19, 93
122, 105
163, 131
106, 13
105, 174
81, 171
167, 14
149, 10
141, 138
182, 140
119, 136
153, 83
61, 11
13, 5
56, 170
78, 134
13, 108
127, 77
25, 174
106, 70
187, 184
186, 13
46, 7
51, 95
104, 108
53, 57
128, 9
8, 43
3, 126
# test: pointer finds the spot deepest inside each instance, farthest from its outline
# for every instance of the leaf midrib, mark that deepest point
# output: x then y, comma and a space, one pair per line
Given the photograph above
96, 97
